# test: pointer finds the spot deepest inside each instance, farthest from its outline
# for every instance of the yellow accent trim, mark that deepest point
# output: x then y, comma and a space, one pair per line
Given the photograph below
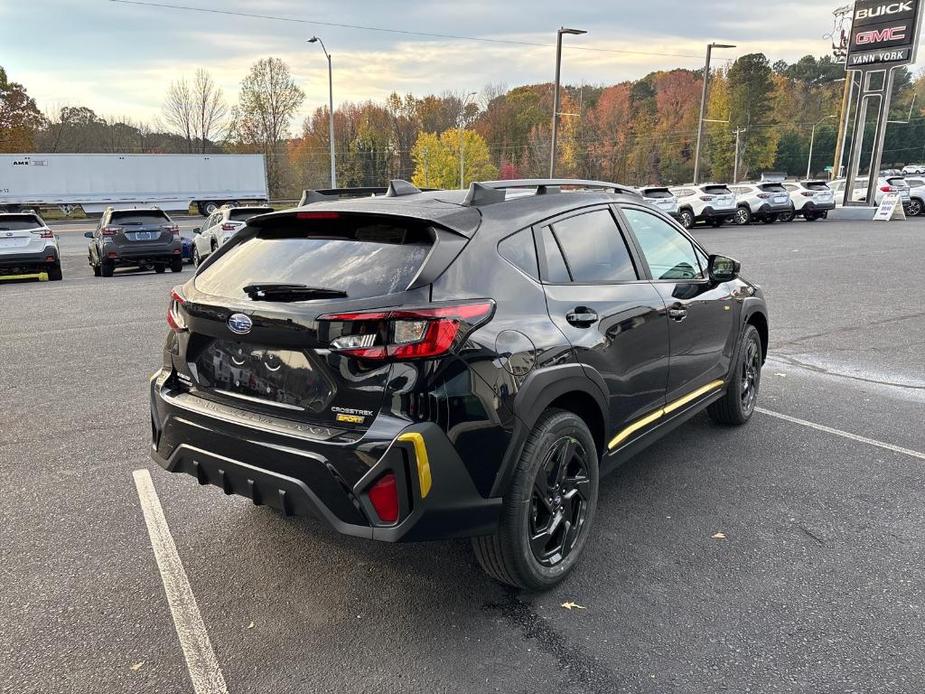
350, 418
420, 455
661, 412
40, 276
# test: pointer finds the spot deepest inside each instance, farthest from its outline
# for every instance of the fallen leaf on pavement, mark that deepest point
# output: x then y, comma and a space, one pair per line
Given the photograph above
137, 666
250, 626
719, 536
572, 606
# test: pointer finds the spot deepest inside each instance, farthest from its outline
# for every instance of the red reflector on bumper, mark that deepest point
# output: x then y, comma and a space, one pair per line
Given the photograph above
384, 497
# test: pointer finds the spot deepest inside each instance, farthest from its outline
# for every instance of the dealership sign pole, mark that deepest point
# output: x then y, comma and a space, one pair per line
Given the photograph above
884, 36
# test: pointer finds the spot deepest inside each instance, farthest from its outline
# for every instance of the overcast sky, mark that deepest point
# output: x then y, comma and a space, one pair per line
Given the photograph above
119, 58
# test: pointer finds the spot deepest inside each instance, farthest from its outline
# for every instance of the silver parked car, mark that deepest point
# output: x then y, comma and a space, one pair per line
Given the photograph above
764, 201
220, 227
28, 246
662, 198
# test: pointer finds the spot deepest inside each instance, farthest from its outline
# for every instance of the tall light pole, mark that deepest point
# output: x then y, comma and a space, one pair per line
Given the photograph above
462, 120
703, 105
555, 104
315, 39
812, 139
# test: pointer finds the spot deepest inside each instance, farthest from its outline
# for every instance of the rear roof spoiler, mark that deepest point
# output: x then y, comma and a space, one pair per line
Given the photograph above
396, 188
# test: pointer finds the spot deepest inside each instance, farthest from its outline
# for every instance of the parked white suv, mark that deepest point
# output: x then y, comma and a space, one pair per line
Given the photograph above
219, 227
660, 197
916, 197
885, 184
811, 199
28, 247
712, 203
913, 169
763, 201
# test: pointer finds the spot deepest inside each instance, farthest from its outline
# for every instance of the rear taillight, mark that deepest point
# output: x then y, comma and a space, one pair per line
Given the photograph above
764, 196
110, 231
44, 233
383, 495
317, 215
173, 229
175, 318
407, 333
706, 198
229, 227
807, 193
887, 189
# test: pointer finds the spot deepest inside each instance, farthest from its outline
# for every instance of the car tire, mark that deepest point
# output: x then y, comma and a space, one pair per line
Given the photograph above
738, 403
176, 264
510, 556
769, 219
787, 216
106, 269
160, 268
742, 216
686, 218
209, 208
915, 208
96, 270
54, 272
811, 216
716, 223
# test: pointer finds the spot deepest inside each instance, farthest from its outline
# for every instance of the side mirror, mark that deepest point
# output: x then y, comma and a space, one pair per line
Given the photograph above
197, 230
723, 268
88, 234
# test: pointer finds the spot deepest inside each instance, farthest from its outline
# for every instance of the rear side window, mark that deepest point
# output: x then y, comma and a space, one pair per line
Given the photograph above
19, 222
362, 255
555, 270
135, 217
244, 215
519, 251
594, 249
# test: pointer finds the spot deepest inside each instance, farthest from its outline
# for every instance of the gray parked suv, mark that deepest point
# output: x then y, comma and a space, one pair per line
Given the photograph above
137, 238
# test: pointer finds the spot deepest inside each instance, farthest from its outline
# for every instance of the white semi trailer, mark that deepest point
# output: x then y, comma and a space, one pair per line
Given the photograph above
94, 182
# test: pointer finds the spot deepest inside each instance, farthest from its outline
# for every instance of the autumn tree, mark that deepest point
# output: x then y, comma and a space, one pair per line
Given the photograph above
196, 110
436, 159
267, 102
20, 118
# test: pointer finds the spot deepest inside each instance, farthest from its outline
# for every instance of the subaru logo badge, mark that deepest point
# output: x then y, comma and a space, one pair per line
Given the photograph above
240, 324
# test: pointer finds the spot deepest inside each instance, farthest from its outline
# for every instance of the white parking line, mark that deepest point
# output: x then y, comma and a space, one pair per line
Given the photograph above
843, 434
194, 640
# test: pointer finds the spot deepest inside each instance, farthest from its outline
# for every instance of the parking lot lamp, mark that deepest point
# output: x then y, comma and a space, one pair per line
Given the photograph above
555, 104
315, 39
812, 139
703, 105
462, 132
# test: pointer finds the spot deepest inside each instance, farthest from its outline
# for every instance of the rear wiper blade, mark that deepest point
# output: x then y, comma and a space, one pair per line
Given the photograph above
291, 292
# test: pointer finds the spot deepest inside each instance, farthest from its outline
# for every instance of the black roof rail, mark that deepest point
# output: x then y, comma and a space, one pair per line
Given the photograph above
396, 187
554, 185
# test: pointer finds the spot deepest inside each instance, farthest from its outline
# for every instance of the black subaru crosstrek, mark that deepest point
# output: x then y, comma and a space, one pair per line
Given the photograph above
421, 366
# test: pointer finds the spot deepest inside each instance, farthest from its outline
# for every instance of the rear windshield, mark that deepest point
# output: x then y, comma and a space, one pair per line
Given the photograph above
657, 193
135, 217
897, 181
815, 185
773, 188
717, 190
245, 214
361, 255
19, 222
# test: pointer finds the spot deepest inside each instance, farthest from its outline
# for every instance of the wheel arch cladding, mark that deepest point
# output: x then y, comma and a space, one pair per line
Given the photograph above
760, 322
580, 403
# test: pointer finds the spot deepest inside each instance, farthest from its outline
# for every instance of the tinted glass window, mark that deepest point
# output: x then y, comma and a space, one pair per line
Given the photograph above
716, 190
135, 217
362, 256
657, 193
555, 265
914, 182
773, 188
519, 251
594, 248
244, 215
669, 253
19, 222
816, 185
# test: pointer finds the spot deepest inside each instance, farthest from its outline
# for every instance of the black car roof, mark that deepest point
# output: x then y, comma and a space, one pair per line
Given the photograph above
447, 208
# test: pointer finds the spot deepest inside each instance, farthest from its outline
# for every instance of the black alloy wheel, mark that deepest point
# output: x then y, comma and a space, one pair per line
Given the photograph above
751, 376
737, 404
559, 503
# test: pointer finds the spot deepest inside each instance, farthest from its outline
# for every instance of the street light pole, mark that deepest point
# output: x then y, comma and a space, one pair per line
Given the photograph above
735, 164
812, 139
315, 39
703, 105
462, 118
555, 101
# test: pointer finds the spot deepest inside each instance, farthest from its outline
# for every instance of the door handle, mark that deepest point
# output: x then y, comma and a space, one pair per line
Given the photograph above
581, 317
677, 313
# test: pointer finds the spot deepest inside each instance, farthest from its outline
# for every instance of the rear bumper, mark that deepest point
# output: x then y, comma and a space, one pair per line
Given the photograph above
11, 263
769, 209
126, 255
710, 214
318, 472
818, 206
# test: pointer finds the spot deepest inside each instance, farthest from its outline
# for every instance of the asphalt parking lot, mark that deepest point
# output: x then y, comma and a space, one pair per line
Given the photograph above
817, 585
